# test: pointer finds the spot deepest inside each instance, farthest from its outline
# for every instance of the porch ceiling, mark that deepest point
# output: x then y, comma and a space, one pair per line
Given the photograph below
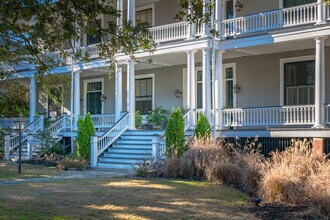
272, 48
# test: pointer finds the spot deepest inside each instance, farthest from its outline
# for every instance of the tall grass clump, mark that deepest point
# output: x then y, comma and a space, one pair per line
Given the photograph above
286, 173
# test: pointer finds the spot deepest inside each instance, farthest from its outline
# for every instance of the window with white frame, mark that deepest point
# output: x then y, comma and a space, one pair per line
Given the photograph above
145, 16
143, 95
229, 87
299, 83
199, 89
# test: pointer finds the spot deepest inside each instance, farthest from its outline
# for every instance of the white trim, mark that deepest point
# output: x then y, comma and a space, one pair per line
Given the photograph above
146, 7
85, 93
144, 76
224, 66
184, 88
289, 60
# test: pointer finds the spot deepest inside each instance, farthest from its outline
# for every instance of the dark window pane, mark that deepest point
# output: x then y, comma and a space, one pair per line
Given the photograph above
298, 78
143, 95
94, 38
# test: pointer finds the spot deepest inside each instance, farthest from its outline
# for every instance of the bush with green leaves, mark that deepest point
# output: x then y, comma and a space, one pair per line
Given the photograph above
85, 131
138, 120
158, 116
175, 143
203, 127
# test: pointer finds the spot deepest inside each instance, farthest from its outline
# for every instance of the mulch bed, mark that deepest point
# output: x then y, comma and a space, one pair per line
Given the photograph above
278, 211
41, 161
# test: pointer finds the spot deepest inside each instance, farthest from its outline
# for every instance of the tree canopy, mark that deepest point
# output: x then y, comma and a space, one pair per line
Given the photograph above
31, 29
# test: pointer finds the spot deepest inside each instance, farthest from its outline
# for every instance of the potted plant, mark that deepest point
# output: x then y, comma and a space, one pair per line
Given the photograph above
157, 117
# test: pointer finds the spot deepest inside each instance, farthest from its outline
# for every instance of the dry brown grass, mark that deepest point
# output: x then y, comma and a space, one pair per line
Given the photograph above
297, 175
122, 198
9, 170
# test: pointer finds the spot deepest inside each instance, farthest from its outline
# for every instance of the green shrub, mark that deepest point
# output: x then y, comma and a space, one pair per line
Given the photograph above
138, 120
175, 135
85, 131
157, 116
203, 127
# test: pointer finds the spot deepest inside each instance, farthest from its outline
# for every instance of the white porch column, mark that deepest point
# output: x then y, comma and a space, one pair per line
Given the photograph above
76, 101
33, 98
191, 26
191, 83
131, 11
319, 82
131, 93
119, 91
320, 12
205, 11
120, 18
206, 83
218, 88
218, 14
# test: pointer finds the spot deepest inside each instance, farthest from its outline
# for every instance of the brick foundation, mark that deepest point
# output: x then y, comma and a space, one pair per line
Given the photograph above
318, 146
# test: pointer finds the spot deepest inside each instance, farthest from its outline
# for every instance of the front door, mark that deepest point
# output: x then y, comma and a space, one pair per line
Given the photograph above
93, 97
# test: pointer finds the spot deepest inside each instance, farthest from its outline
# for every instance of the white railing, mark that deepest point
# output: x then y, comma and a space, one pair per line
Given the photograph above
100, 144
288, 115
169, 32
58, 125
104, 120
186, 119
32, 128
327, 12
303, 14
93, 51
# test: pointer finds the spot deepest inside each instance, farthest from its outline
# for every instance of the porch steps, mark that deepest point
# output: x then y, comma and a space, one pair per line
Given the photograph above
131, 148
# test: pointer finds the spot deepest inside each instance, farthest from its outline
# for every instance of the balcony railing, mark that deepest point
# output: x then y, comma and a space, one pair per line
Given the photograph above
169, 32
287, 17
271, 116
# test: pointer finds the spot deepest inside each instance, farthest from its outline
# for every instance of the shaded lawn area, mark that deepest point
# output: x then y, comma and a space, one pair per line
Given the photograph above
9, 170
122, 198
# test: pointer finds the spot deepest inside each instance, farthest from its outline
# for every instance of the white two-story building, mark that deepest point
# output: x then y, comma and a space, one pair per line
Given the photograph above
271, 78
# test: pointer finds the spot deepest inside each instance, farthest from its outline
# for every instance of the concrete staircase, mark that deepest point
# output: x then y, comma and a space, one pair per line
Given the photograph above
131, 148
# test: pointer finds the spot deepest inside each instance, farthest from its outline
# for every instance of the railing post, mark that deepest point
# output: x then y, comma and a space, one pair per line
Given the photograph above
42, 122
320, 12
30, 146
7, 147
155, 147
94, 151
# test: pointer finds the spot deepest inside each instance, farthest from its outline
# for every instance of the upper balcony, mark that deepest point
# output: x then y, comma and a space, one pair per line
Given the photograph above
246, 25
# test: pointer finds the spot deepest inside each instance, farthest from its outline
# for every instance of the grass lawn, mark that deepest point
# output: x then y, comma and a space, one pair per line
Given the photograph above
122, 198
9, 170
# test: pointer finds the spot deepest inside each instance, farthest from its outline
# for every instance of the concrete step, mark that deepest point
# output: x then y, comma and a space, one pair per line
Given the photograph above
134, 141
120, 160
144, 132
132, 146
115, 165
140, 156
130, 150
135, 137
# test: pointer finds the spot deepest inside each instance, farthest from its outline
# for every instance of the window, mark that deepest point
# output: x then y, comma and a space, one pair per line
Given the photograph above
55, 100
94, 38
145, 16
229, 87
199, 87
299, 83
293, 3
94, 93
143, 95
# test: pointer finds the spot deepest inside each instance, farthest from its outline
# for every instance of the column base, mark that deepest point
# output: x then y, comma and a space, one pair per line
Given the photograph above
320, 22
318, 126
318, 146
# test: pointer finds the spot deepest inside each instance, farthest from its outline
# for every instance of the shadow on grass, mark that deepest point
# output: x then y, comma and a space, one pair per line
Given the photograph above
123, 198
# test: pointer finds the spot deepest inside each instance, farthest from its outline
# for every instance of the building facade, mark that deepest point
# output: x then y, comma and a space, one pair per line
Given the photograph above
267, 73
